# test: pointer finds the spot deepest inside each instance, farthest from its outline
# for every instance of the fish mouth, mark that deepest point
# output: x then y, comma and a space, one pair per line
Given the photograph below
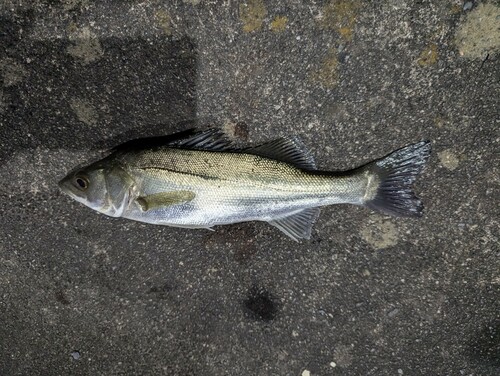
60, 184
66, 187
65, 184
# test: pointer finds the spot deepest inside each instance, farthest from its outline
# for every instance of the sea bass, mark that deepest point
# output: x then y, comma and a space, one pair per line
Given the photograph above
200, 180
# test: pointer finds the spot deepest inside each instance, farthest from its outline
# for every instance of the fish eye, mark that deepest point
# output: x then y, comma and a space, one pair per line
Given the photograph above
81, 182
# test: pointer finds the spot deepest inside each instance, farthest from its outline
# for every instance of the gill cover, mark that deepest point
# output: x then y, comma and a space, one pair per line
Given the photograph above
101, 188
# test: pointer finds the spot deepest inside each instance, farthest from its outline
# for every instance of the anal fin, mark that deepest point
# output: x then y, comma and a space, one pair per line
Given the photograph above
298, 225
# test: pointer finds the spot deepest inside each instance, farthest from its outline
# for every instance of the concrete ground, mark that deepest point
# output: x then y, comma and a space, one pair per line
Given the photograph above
85, 294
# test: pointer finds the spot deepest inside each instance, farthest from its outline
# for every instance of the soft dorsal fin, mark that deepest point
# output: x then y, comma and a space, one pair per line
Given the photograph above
210, 139
290, 150
164, 199
298, 225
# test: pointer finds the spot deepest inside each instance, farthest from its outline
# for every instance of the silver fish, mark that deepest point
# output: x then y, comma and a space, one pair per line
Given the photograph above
202, 180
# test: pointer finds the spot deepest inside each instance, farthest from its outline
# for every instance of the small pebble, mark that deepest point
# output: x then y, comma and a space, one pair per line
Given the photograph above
333, 364
468, 5
393, 313
306, 373
400, 371
75, 355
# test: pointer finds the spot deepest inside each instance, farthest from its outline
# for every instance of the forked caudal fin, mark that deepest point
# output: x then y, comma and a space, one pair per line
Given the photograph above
389, 186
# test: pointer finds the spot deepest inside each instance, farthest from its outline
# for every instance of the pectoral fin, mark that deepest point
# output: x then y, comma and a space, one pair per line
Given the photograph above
164, 199
298, 225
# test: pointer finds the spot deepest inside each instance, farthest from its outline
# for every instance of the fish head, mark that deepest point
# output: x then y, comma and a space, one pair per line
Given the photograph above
101, 188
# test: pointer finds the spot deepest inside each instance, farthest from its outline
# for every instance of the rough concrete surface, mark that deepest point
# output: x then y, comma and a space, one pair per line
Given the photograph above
84, 294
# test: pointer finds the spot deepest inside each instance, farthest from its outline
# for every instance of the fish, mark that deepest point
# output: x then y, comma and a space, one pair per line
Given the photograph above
200, 179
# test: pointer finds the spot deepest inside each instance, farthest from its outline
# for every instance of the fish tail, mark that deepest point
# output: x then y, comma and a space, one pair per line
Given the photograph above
389, 189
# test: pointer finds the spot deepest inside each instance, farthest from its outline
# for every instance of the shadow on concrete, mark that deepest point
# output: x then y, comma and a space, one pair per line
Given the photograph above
133, 88
484, 349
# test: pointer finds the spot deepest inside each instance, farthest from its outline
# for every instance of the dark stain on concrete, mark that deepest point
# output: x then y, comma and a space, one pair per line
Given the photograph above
260, 304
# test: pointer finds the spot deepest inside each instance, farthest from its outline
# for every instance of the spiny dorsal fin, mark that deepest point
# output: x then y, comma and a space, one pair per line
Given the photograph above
164, 199
298, 225
210, 139
290, 150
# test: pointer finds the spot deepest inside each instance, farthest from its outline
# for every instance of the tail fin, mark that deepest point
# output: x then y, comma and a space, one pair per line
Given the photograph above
389, 186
